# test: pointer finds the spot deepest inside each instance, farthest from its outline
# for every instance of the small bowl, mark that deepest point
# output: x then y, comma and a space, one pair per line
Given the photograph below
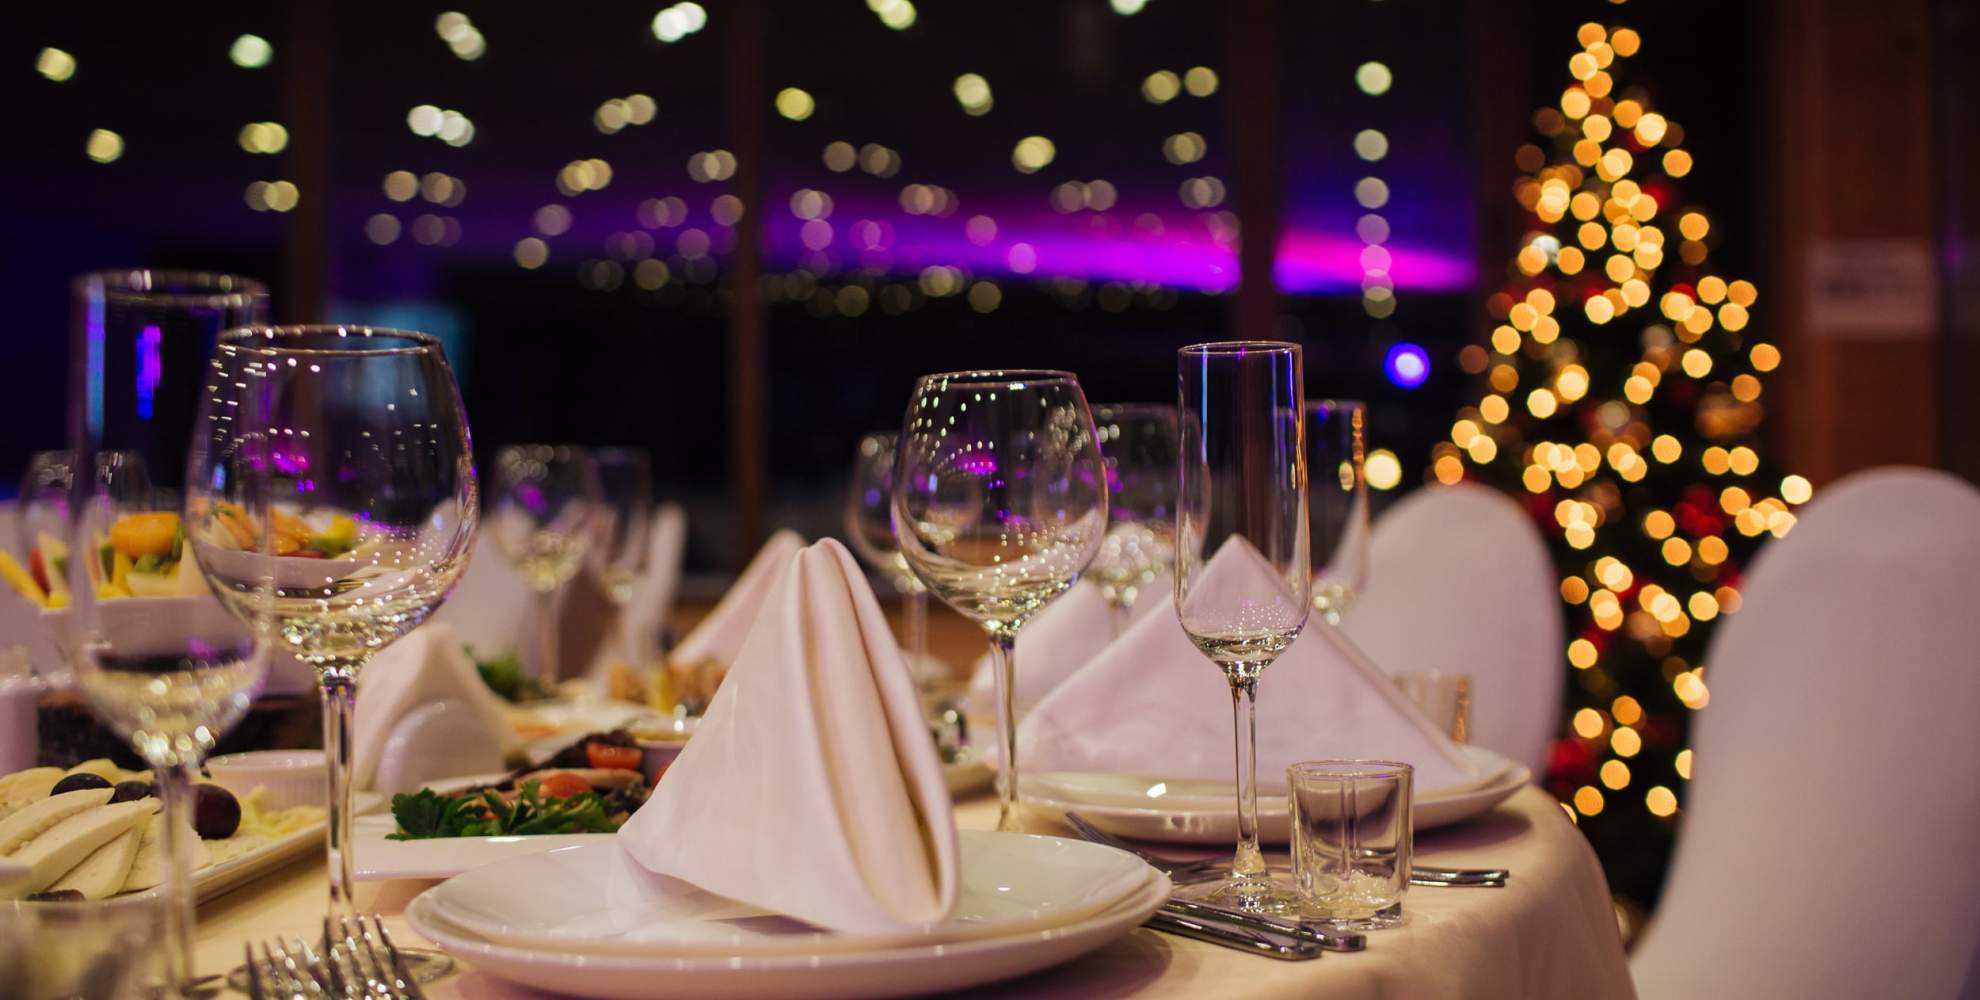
292, 777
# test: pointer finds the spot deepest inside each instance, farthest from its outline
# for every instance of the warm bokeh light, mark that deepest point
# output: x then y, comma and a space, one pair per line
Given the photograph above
103, 146
251, 52
1383, 470
973, 93
55, 64
795, 104
1660, 801
1033, 153
1373, 78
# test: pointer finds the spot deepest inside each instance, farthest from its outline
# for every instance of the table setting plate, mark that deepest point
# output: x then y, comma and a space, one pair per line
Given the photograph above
883, 972
597, 899
1205, 812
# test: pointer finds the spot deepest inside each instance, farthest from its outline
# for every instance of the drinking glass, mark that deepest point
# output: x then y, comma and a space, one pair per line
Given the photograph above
159, 659
1242, 571
1139, 445
870, 527
332, 505
1000, 502
1351, 840
625, 482
547, 501
1337, 503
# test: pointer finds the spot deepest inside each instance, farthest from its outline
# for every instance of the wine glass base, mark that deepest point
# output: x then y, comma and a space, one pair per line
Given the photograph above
1382, 919
1256, 894
424, 965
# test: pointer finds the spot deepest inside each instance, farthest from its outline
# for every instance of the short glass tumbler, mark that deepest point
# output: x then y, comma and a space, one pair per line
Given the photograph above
1351, 840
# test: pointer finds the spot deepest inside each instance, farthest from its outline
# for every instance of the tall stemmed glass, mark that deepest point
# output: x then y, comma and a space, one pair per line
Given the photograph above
870, 527
1138, 443
546, 504
332, 505
1242, 565
1000, 502
1337, 503
624, 531
158, 658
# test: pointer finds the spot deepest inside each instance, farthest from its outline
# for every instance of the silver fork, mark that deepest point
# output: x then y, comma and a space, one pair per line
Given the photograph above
292, 971
372, 957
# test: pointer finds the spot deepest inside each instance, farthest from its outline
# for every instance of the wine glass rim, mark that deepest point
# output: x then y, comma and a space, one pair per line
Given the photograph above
1221, 348
269, 339
1000, 376
172, 286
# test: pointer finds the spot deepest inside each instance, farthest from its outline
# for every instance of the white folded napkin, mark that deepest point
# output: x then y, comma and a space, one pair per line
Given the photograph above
720, 636
811, 787
653, 596
1059, 640
426, 667
1151, 704
492, 608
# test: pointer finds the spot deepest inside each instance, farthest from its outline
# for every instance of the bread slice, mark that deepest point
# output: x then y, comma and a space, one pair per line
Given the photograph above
31, 822
64, 846
103, 873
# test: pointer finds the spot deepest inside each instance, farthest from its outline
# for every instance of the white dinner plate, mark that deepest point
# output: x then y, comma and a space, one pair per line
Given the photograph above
892, 972
1205, 812
597, 899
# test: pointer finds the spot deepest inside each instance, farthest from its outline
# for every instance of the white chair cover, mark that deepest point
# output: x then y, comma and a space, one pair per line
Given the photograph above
1827, 836
492, 608
1460, 582
653, 598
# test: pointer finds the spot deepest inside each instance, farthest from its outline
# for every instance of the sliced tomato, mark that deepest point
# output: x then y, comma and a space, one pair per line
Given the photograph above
605, 756
563, 785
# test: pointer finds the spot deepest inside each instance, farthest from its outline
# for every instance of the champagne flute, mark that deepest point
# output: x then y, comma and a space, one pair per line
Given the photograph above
547, 501
625, 483
870, 528
1138, 443
1337, 503
1242, 565
1000, 502
332, 505
159, 659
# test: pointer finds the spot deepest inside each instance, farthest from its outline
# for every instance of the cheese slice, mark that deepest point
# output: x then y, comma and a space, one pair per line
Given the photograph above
31, 822
103, 873
102, 767
64, 846
148, 868
22, 788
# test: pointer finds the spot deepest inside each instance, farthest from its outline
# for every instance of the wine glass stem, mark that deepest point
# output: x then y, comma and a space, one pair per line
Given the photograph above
1003, 662
546, 636
173, 784
1247, 862
339, 704
914, 608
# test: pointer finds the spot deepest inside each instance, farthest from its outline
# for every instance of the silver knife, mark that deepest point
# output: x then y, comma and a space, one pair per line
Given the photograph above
1271, 944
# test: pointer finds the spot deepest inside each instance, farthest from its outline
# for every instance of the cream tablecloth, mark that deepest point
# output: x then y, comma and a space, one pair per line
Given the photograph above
1549, 934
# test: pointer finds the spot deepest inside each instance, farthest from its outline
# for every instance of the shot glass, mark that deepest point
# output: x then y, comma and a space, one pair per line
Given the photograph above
1351, 840
1445, 698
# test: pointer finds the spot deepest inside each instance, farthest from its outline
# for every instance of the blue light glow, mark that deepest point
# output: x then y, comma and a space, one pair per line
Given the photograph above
1407, 365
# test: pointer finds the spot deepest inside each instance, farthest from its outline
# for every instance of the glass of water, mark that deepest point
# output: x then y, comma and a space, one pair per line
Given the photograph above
1351, 840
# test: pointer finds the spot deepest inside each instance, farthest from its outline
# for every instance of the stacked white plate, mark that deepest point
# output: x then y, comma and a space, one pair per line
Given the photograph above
1205, 812
589, 921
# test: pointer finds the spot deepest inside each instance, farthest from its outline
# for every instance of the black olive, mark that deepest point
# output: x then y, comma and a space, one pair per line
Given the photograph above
216, 813
78, 781
57, 896
127, 791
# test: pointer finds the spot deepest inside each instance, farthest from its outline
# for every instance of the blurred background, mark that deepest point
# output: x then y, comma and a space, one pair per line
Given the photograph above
732, 232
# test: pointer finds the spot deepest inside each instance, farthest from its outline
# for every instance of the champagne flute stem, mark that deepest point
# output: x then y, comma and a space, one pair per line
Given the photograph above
1248, 862
339, 704
1003, 661
173, 784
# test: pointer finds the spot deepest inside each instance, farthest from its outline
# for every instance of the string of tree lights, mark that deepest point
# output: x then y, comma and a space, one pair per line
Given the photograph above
1622, 397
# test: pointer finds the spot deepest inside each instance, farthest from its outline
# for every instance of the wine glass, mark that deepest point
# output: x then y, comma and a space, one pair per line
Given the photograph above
332, 504
1000, 502
1337, 503
625, 483
1242, 564
870, 528
547, 503
1138, 443
159, 659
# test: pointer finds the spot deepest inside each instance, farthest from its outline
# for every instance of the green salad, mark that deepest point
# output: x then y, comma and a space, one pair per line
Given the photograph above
427, 814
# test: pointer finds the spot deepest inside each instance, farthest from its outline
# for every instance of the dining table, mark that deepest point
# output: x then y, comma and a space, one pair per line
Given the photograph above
1549, 932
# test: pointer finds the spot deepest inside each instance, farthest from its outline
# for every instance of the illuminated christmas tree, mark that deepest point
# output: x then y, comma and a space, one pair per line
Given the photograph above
1621, 395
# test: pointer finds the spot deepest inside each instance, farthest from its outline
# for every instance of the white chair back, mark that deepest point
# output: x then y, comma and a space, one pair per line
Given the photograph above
1460, 582
1826, 843
492, 608
652, 603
